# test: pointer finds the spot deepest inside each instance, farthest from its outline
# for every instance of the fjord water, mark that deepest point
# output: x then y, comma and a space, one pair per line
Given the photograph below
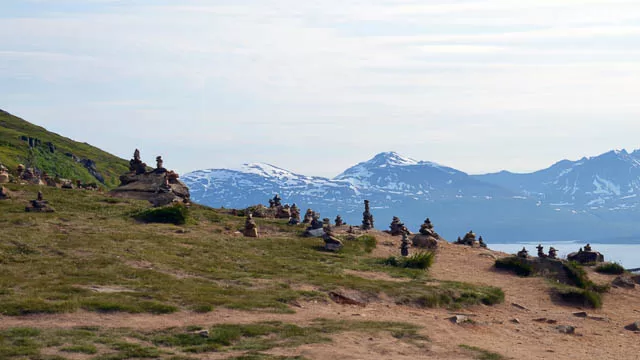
628, 255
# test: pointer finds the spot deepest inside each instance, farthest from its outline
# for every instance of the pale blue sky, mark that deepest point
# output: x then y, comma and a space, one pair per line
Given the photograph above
317, 86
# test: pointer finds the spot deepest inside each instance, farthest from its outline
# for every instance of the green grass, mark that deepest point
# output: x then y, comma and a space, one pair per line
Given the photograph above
610, 269
14, 151
421, 260
481, 354
578, 296
176, 214
50, 262
516, 265
250, 339
579, 278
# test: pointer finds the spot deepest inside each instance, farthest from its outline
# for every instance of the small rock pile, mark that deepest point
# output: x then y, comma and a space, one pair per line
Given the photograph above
397, 227
367, 217
586, 256
39, 205
159, 186
427, 238
250, 227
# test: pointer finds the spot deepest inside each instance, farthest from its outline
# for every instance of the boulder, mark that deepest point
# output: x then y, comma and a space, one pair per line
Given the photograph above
624, 281
153, 186
331, 243
425, 242
314, 232
586, 257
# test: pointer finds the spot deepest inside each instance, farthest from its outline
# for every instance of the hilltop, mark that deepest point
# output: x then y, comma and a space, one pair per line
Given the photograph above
33, 146
91, 282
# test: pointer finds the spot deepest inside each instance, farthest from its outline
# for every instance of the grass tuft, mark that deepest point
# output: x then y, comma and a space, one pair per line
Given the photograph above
580, 297
611, 269
515, 264
481, 354
421, 260
173, 214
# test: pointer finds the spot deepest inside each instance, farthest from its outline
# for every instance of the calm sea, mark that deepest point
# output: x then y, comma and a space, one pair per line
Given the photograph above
624, 254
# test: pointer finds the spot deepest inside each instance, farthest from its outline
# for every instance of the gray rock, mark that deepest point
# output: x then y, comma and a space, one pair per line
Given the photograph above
315, 232
624, 281
581, 314
459, 319
633, 326
566, 329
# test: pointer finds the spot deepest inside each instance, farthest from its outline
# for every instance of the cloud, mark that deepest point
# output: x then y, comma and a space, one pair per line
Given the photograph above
354, 76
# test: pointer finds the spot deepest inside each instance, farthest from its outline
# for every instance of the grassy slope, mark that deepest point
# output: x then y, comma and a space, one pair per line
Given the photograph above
14, 151
50, 260
53, 263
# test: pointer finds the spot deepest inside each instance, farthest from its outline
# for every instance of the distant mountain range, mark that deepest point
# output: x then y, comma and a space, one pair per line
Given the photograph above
593, 199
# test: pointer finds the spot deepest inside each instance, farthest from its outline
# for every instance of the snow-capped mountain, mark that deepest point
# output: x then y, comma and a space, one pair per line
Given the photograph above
255, 183
568, 201
391, 173
609, 181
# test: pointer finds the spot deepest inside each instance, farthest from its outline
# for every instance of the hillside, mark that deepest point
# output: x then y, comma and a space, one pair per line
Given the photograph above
24, 143
90, 282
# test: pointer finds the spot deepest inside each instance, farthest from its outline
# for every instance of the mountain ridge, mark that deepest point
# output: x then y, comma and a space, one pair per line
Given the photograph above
591, 204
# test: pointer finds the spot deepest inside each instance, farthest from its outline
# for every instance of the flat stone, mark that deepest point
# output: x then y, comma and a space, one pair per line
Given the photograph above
566, 329
346, 299
633, 326
519, 306
315, 232
459, 319
581, 314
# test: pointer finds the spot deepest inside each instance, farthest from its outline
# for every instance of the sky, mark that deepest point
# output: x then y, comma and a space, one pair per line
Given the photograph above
318, 86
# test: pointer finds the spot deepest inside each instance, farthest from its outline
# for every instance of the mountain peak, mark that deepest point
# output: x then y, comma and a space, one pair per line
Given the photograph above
392, 158
266, 170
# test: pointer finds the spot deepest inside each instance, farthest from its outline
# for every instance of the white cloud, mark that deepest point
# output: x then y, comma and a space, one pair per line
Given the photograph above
354, 76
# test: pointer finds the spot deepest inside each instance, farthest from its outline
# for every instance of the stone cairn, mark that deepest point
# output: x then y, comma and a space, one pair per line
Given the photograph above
326, 222
367, 217
427, 237
541, 253
250, 227
160, 187
468, 240
294, 219
308, 217
427, 229
339, 221
553, 253
4, 175
136, 165
316, 223
160, 164
331, 243
39, 205
404, 247
397, 227
481, 243
4, 193
283, 212
275, 202
523, 253
586, 256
